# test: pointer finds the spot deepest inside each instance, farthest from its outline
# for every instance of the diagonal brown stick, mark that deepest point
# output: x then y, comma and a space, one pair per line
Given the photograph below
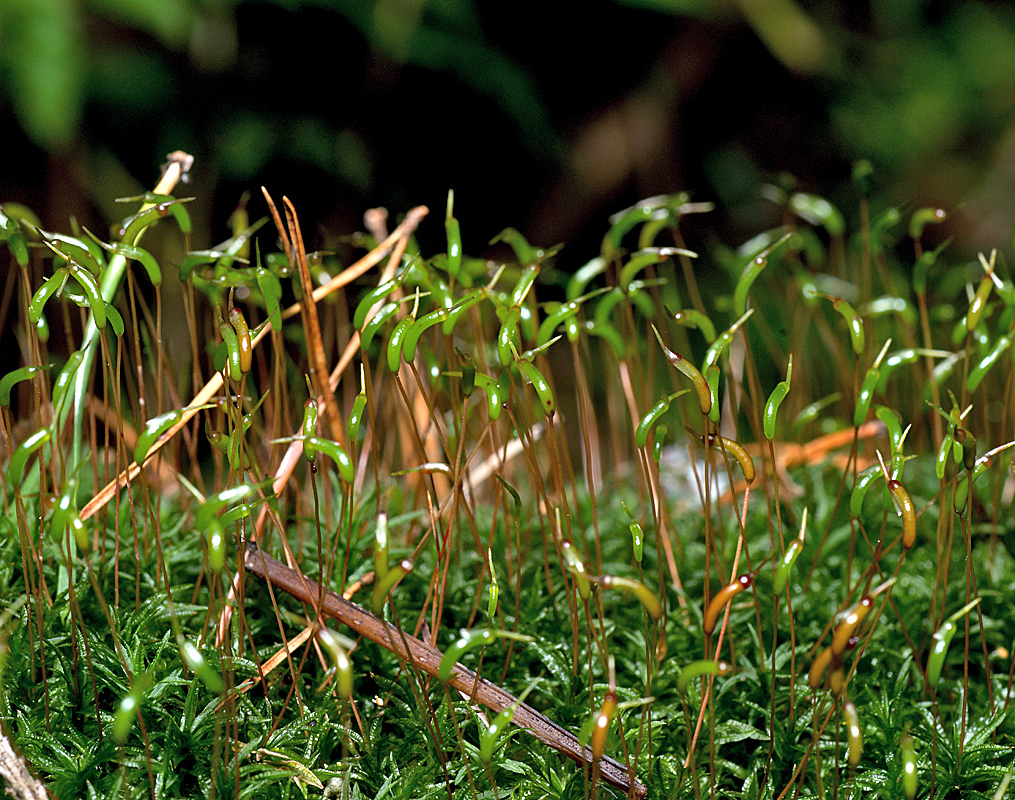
428, 659
211, 388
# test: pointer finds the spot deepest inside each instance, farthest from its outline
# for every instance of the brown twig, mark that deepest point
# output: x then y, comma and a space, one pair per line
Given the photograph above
428, 660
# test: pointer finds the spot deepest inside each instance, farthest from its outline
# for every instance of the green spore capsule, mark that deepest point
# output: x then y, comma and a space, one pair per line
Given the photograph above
507, 337
866, 393
495, 397
533, 376
724, 339
12, 378
657, 444
941, 640
453, 233
653, 416
775, 400
243, 346
692, 318
789, 558
696, 669
123, 721
384, 586
396, 341
417, 329
863, 483
689, 371
373, 297
469, 641
233, 358
637, 540
216, 541
576, 567
332, 643
376, 323
156, 427
455, 312
979, 372
195, 662
50, 287
910, 774
584, 276
488, 738
712, 379
334, 451
854, 736
491, 605
855, 323
381, 547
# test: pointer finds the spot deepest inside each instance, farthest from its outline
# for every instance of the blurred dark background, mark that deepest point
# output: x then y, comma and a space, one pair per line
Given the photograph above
537, 116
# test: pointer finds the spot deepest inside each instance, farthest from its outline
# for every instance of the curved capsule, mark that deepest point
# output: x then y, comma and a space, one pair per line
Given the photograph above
468, 381
491, 605
153, 429
453, 232
696, 669
737, 451
396, 341
332, 642
910, 774
451, 319
216, 541
789, 559
819, 667
692, 318
469, 641
577, 568
846, 629
14, 377
417, 329
979, 372
893, 423
605, 330
126, 711
644, 258
356, 416
854, 736
691, 372
584, 276
381, 547
495, 398
488, 739
979, 300
556, 317
904, 505
540, 384
271, 292
232, 344
722, 597
525, 281
310, 414
865, 396
131, 230
943, 454
601, 727
941, 639
195, 662
712, 379
63, 380
334, 451
66, 515
370, 329
856, 332
638, 589
723, 340
205, 515
657, 444
46, 291
133, 253
923, 217
374, 296
637, 540
243, 346
508, 335
384, 586
775, 400
652, 417
863, 483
